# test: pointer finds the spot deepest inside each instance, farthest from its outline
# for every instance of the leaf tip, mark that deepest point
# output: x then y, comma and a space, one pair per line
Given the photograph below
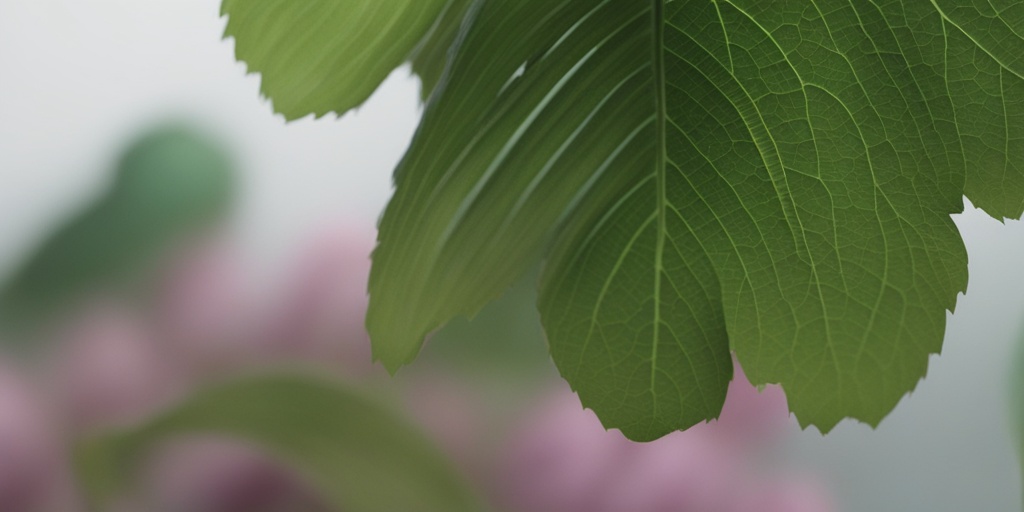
393, 351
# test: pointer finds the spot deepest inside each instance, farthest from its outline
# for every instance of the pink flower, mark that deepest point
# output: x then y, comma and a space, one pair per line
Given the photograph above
751, 416
208, 312
209, 474
320, 313
203, 309
564, 460
111, 369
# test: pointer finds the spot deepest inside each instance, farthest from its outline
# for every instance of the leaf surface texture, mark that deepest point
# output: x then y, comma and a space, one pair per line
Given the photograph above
770, 178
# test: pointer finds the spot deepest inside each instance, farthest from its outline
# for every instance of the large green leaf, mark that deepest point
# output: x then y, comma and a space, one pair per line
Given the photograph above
359, 456
493, 205
775, 178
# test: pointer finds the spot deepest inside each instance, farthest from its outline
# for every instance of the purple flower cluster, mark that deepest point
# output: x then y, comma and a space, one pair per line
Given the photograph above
117, 361
562, 459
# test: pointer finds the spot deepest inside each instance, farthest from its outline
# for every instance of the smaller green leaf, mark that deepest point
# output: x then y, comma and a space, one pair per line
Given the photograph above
168, 184
358, 455
326, 56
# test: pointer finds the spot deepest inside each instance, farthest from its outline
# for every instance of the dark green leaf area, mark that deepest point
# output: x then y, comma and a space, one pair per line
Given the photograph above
632, 312
430, 58
822, 182
982, 66
771, 179
360, 456
472, 209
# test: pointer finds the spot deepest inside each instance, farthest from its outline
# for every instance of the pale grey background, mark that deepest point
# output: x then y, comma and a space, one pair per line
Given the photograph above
77, 78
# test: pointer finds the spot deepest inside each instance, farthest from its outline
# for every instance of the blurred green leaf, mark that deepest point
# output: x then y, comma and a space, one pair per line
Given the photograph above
504, 339
168, 184
358, 455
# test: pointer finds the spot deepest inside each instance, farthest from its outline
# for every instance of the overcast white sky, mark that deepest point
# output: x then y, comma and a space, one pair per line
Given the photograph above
77, 78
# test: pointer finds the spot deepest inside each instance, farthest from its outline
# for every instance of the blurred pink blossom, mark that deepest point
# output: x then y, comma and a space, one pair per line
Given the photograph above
750, 415
320, 313
793, 493
111, 369
203, 311
120, 362
33, 477
206, 310
212, 474
563, 460
450, 412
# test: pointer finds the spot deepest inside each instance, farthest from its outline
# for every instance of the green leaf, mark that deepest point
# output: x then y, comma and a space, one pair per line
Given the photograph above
724, 183
358, 455
321, 56
169, 183
573, 135
771, 178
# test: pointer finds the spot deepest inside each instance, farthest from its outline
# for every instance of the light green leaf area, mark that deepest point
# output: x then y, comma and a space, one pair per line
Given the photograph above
770, 178
359, 456
321, 56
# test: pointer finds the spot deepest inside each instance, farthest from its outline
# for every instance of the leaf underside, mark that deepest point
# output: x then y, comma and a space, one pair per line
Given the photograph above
770, 178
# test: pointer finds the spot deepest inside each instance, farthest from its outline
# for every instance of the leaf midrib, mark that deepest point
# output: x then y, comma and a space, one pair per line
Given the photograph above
658, 61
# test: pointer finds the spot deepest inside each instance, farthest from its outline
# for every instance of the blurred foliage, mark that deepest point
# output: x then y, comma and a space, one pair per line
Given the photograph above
358, 455
168, 184
504, 340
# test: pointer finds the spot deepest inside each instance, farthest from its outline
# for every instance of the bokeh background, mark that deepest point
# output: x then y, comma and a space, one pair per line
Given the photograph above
80, 80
